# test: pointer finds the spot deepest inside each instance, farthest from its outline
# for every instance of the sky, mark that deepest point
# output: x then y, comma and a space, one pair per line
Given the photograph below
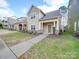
19, 8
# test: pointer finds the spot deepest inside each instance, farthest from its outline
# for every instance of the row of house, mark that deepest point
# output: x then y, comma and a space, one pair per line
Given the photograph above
50, 23
13, 23
54, 22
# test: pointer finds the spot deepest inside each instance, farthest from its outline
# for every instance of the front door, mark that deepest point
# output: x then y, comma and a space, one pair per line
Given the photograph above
20, 27
49, 29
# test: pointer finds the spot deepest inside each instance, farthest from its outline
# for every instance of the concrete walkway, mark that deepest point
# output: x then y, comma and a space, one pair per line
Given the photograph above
25, 46
5, 52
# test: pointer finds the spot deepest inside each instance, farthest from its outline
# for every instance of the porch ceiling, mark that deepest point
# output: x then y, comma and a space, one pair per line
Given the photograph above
48, 21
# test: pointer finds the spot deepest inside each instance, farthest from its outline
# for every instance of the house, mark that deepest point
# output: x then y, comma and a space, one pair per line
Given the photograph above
4, 22
1, 24
49, 23
11, 21
21, 24
73, 13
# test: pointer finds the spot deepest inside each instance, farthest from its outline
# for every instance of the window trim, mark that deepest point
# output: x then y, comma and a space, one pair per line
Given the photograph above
33, 15
33, 27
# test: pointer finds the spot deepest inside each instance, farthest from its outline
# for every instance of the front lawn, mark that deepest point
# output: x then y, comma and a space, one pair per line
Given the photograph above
15, 38
60, 47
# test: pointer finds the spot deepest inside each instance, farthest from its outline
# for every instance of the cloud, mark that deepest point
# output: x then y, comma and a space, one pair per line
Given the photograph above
53, 2
46, 9
5, 11
3, 3
50, 5
24, 11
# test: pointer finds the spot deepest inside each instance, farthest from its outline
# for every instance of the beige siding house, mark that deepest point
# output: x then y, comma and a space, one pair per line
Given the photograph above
49, 23
34, 15
21, 24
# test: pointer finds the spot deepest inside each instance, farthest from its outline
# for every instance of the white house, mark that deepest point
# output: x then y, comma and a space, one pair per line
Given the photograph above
11, 21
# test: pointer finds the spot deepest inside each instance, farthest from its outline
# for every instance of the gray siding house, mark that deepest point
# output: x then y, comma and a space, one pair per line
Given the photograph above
73, 15
11, 22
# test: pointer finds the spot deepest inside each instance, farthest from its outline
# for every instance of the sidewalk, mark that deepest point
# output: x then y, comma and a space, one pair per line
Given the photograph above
25, 46
5, 52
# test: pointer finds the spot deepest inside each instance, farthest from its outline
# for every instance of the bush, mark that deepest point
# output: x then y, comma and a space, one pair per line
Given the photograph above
76, 34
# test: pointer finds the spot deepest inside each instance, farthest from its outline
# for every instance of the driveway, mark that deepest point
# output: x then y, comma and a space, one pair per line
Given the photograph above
5, 52
19, 49
3, 31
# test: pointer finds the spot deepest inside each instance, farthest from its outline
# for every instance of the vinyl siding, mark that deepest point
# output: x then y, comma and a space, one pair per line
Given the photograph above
34, 21
73, 14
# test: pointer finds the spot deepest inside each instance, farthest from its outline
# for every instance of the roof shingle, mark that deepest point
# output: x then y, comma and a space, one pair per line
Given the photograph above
50, 15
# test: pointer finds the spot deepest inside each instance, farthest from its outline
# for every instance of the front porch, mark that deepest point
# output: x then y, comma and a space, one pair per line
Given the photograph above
22, 27
50, 26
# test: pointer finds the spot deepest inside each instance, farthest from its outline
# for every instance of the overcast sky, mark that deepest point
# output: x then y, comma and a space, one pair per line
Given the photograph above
19, 8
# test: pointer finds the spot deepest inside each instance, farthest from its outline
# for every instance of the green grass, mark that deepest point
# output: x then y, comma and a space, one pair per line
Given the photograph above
14, 38
60, 47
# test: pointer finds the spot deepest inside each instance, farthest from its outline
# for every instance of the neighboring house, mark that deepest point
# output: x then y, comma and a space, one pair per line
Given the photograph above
1, 24
11, 21
73, 15
50, 23
21, 24
4, 22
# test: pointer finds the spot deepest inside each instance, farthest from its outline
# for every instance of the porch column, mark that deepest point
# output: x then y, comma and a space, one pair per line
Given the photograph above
41, 26
57, 27
22, 27
54, 23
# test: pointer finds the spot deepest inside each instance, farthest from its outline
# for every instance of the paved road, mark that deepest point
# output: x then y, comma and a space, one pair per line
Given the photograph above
25, 46
5, 52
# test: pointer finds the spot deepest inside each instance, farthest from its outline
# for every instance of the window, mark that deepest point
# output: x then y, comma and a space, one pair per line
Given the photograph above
33, 15
74, 26
70, 7
32, 27
5, 21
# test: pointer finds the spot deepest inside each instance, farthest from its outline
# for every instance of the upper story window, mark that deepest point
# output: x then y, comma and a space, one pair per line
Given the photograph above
70, 7
33, 15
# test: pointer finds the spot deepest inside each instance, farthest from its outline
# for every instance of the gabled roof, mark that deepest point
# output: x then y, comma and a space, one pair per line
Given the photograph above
51, 15
35, 8
21, 20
